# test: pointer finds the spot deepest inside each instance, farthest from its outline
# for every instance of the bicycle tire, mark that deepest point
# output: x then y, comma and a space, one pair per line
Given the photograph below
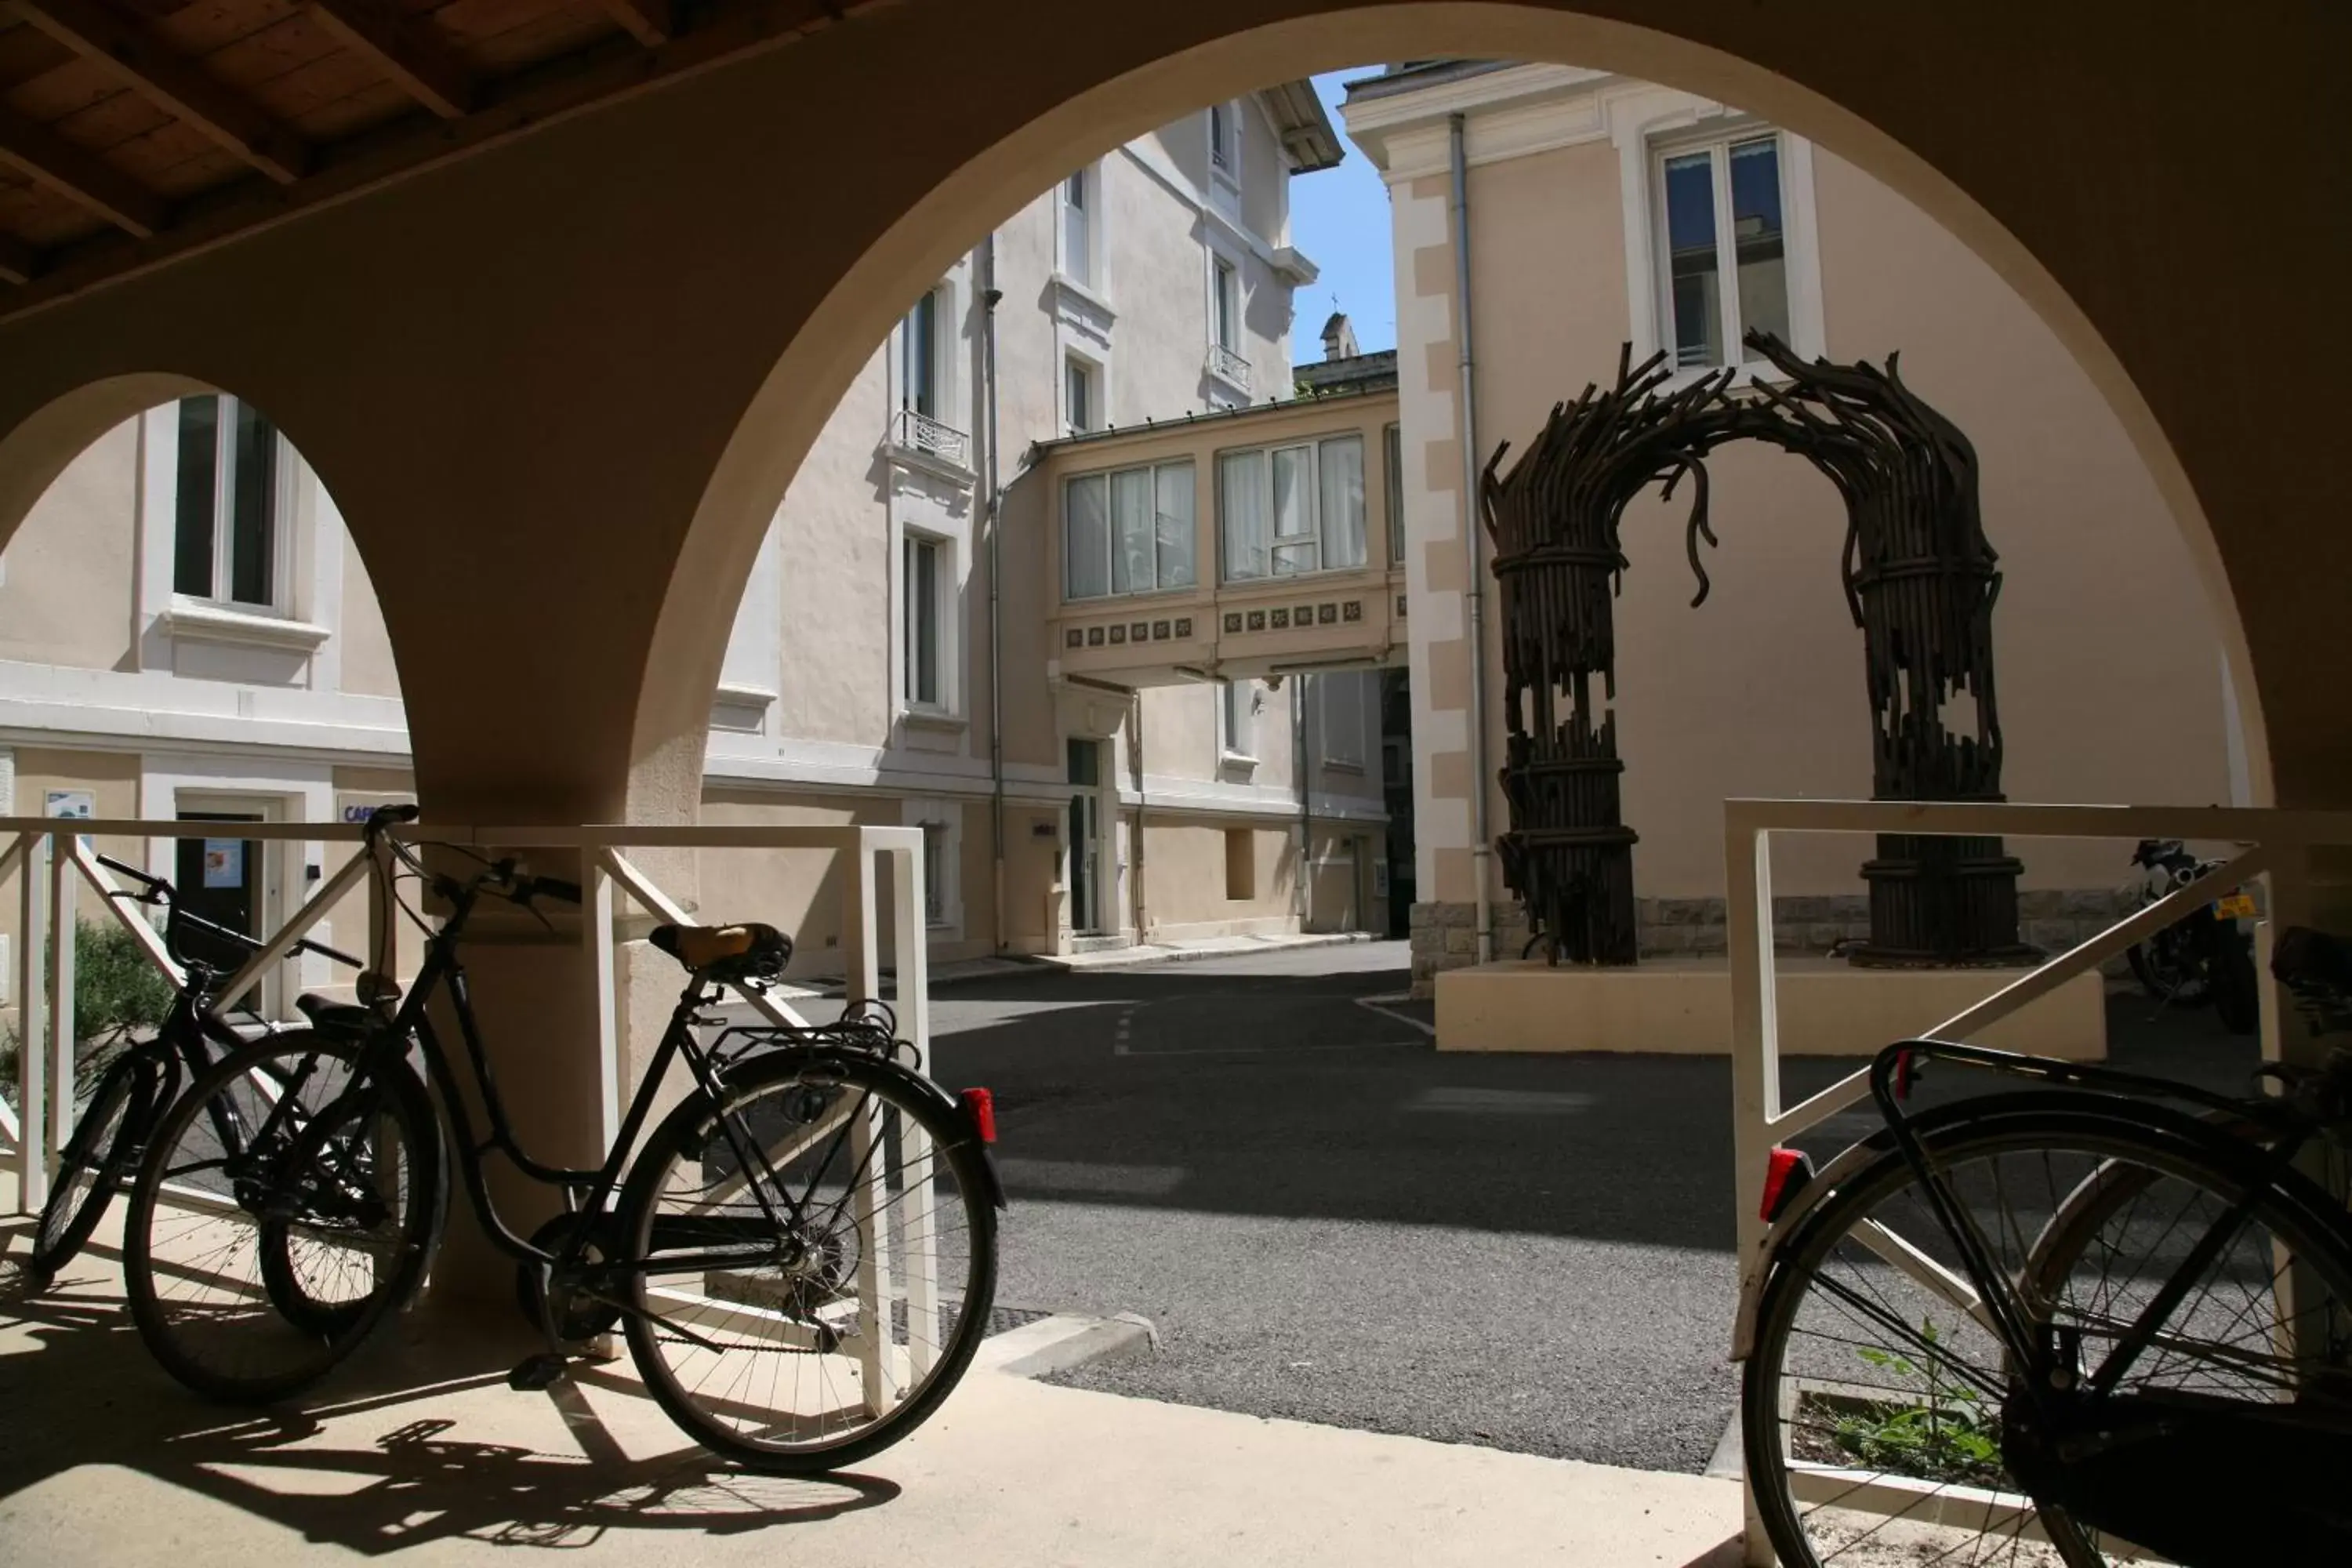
195, 1198
116, 1116
762, 1090
2202, 1161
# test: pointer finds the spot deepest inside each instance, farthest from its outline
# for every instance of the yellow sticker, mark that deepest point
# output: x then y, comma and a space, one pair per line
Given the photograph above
2237, 906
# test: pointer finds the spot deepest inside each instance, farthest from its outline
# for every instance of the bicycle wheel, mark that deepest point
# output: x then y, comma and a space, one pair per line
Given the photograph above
819, 1310
284, 1206
1875, 1407
92, 1167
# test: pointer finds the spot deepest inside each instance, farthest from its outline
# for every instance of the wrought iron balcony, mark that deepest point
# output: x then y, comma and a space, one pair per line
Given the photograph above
917, 432
1227, 365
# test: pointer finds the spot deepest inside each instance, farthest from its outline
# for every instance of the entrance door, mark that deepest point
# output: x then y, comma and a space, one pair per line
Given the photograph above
223, 879
1085, 838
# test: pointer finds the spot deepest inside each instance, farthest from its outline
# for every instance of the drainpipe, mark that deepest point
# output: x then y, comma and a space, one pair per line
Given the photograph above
988, 295
1135, 763
1481, 847
1303, 894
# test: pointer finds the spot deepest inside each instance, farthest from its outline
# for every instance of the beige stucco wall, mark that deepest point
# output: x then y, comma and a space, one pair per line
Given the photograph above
68, 595
366, 646
2108, 661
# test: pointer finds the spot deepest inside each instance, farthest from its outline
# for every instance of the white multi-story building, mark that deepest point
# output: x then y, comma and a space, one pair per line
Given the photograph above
186, 629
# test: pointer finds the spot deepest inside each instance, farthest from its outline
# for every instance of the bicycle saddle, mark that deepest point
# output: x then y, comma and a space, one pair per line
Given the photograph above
752, 951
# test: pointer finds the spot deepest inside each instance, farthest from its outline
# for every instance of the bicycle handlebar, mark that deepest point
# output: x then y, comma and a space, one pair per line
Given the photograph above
156, 888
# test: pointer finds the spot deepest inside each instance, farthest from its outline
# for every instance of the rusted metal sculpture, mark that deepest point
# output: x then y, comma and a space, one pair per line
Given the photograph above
1920, 579
1554, 521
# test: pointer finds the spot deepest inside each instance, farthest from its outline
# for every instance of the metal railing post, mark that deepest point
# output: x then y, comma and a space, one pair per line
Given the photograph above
64, 927
33, 1039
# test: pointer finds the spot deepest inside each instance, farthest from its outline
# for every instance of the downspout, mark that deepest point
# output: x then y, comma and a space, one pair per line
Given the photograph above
1304, 894
988, 297
1135, 763
1481, 846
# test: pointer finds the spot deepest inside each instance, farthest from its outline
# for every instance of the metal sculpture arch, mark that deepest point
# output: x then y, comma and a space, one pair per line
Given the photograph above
1920, 580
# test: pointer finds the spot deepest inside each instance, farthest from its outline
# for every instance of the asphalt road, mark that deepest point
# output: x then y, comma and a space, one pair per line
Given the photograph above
1330, 1221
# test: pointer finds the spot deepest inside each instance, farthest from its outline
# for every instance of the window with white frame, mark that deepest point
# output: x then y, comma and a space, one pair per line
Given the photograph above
1284, 511
1225, 140
942, 822
1723, 244
1225, 304
1080, 193
919, 381
1340, 711
1392, 444
1130, 531
926, 579
1238, 718
1081, 394
231, 504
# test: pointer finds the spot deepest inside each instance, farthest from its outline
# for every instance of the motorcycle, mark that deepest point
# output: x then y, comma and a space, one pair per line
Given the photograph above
2205, 956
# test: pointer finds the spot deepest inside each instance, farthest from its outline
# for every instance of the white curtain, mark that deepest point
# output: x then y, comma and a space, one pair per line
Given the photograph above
1294, 527
1085, 537
1132, 550
1241, 506
1341, 466
1174, 526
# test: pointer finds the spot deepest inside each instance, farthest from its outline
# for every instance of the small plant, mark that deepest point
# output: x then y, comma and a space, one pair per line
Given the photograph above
117, 993
1947, 1436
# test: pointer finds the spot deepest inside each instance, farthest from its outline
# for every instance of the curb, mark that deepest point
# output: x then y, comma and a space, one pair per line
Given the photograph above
1065, 1341
1197, 954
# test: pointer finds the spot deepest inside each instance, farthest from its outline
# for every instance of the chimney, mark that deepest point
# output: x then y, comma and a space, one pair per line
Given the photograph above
1339, 338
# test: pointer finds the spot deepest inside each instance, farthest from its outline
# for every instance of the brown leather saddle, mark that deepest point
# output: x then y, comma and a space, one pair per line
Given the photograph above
749, 951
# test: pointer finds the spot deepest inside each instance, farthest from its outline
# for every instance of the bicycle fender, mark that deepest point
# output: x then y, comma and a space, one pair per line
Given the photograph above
923, 1088
1758, 1271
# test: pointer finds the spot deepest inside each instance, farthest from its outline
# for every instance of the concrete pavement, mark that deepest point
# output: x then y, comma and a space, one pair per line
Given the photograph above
104, 1461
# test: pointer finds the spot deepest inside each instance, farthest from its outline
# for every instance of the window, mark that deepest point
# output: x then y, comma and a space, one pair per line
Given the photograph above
1392, 441
918, 358
1340, 711
1078, 228
1238, 718
226, 518
1225, 154
1225, 305
1128, 531
1721, 210
1286, 510
924, 562
1078, 394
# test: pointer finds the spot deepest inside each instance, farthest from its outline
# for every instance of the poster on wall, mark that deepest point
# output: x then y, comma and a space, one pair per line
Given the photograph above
74, 805
223, 862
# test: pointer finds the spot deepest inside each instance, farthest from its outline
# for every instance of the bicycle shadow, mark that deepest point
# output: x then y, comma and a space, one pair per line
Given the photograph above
85, 1393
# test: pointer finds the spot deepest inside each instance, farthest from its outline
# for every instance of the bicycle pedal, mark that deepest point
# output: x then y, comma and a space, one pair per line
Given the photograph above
536, 1372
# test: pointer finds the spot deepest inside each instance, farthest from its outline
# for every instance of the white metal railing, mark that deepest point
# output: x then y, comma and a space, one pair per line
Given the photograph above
52, 860
1227, 365
919, 432
2274, 846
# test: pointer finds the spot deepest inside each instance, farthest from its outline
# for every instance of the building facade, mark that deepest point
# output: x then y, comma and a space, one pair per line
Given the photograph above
1605, 212
186, 629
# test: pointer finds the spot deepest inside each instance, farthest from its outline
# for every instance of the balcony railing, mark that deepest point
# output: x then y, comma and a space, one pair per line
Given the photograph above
1227, 365
915, 431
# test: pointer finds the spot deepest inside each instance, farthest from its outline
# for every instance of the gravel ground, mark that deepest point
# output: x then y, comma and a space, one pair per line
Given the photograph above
1330, 1221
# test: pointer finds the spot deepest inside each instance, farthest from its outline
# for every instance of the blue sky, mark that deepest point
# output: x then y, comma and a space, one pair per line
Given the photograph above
1340, 219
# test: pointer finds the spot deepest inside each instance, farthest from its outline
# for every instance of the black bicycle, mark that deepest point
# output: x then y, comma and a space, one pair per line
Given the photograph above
145, 1076
2103, 1320
801, 1253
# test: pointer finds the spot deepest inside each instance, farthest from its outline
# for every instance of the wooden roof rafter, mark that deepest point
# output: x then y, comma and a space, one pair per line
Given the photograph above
342, 96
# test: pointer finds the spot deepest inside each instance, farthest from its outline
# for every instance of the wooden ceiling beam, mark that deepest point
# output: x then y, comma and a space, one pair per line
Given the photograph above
79, 174
156, 71
650, 22
15, 260
411, 53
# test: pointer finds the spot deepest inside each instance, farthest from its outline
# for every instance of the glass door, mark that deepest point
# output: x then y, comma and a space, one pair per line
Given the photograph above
1085, 838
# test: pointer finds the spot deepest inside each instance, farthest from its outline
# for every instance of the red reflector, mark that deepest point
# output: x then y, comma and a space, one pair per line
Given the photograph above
1785, 1175
981, 1106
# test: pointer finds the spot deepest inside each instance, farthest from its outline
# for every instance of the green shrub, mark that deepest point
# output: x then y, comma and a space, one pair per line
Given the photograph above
117, 993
